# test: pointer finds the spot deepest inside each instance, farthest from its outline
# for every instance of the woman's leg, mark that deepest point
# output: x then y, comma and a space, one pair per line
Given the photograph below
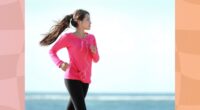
77, 91
70, 105
85, 89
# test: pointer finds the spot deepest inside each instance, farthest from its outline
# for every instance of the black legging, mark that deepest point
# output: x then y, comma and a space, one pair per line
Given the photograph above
77, 91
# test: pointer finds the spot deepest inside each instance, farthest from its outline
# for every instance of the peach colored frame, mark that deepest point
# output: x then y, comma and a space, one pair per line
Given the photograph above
187, 96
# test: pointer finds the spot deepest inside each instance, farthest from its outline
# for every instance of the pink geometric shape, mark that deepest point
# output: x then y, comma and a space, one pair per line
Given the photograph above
21, 92
11, 16
8, 66
20, 65
10, 43
9, 93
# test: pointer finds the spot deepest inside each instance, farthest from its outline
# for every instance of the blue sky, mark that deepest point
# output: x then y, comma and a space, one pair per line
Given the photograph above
135, 39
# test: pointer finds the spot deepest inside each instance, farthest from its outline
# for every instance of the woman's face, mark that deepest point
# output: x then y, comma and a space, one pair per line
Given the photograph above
85, 23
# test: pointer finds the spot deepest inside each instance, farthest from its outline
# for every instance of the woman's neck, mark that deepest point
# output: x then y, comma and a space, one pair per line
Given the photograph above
80, 33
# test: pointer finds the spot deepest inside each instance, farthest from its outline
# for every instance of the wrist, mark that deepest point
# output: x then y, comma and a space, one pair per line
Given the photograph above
62, 65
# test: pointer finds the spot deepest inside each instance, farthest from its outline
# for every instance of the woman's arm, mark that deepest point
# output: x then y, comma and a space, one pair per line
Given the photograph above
94, 50
61, 43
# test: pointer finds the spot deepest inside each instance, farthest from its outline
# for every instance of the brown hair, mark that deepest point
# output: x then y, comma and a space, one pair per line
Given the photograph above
57, 29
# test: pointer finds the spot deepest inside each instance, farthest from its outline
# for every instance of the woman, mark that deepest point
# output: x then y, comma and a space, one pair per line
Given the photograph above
82, 50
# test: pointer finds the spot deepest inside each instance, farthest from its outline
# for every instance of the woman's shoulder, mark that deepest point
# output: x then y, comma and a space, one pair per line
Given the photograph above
67, 35
90, 35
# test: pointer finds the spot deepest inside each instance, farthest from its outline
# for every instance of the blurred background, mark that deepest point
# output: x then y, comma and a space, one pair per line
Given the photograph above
135, 38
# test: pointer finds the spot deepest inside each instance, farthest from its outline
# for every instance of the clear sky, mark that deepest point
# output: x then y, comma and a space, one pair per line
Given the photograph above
135, 38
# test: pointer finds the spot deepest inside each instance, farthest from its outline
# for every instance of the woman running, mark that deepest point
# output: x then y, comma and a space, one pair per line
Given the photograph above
82, 50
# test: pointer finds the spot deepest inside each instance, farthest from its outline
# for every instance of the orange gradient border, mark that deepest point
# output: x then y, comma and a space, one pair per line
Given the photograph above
12, 55
187, 55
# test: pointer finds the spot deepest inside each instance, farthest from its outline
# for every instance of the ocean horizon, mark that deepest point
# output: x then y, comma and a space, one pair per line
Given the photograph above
102, 101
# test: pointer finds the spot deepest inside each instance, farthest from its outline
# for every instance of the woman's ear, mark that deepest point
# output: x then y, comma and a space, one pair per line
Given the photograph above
79, 22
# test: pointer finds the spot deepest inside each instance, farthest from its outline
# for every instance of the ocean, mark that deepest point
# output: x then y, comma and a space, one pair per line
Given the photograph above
102, 101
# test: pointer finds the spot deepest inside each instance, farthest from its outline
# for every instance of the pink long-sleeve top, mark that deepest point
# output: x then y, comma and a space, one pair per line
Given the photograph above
80, 55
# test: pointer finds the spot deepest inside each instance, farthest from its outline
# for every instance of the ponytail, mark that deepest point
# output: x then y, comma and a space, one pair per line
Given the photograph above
56, 30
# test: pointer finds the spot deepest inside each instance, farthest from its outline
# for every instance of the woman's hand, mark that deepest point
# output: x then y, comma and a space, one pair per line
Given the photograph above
64, 66
93, 49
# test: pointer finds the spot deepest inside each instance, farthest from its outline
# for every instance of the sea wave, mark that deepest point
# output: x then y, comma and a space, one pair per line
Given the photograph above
102, 97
